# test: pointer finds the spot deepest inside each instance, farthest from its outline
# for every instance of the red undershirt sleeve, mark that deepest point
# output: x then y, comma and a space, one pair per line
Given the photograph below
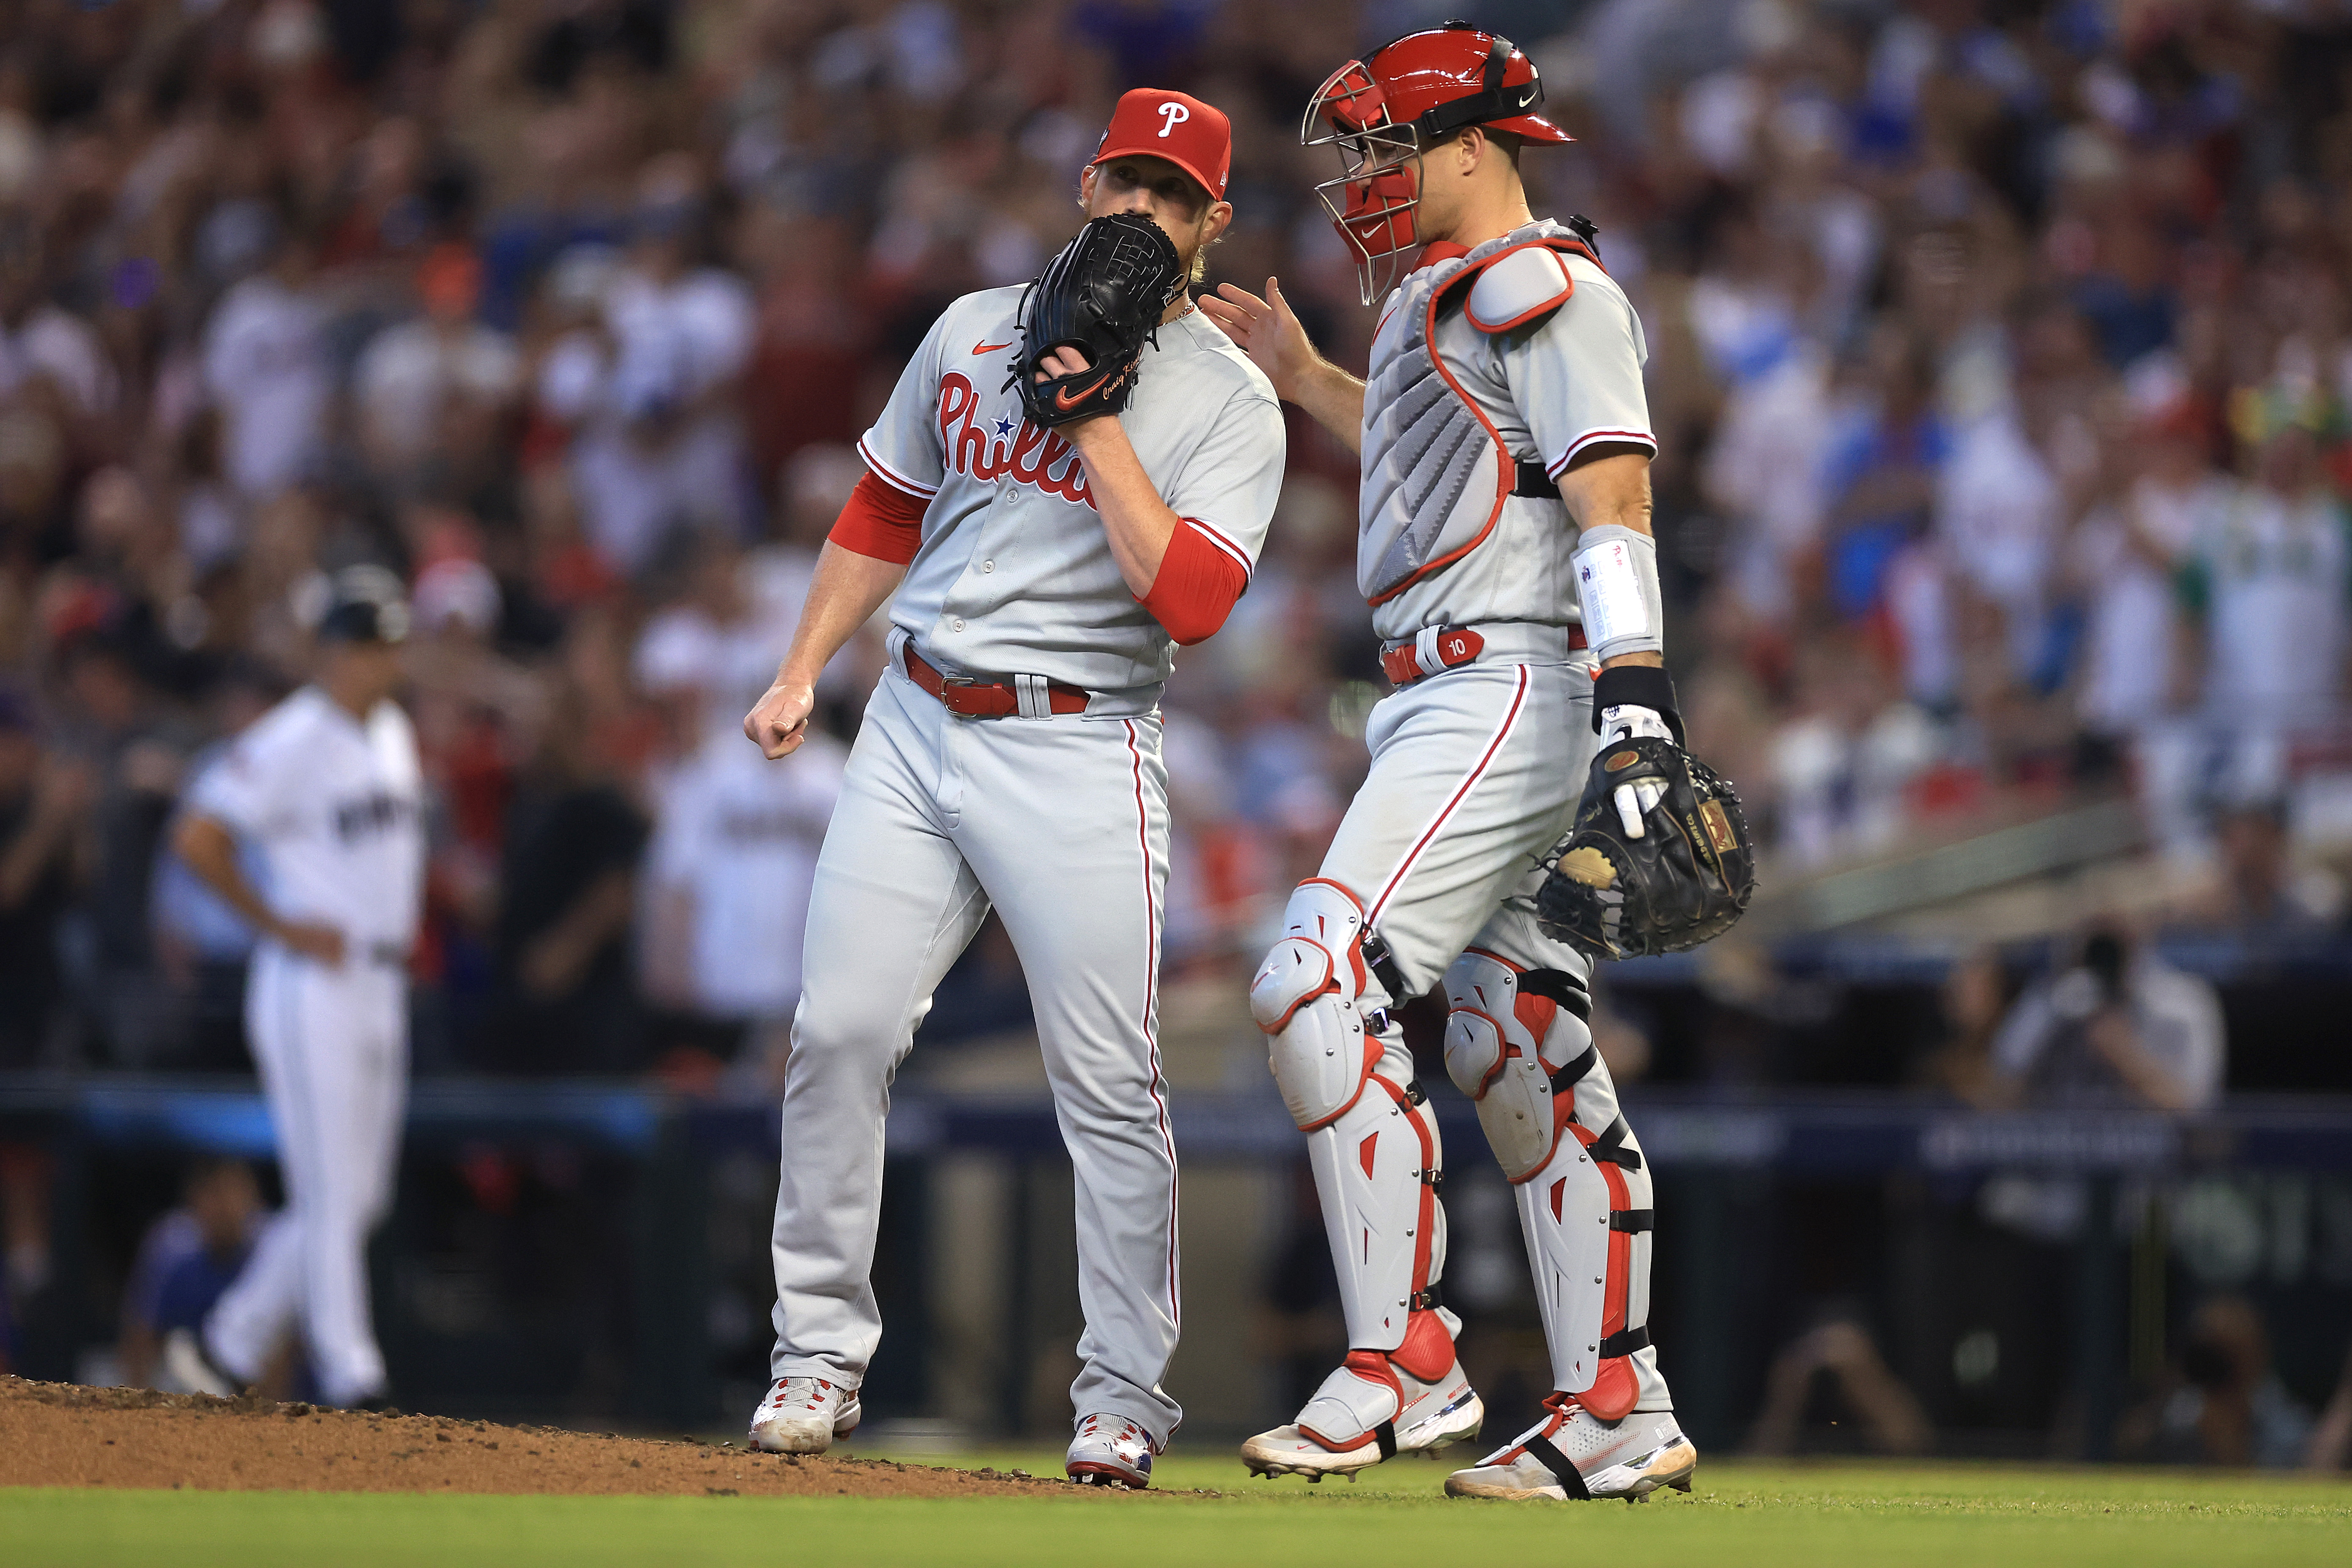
1197, 585
882, 522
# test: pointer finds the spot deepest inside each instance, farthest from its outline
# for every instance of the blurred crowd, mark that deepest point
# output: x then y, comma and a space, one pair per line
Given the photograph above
2000, 363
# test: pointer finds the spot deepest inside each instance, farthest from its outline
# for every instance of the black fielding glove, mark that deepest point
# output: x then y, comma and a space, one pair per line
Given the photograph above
1102, 296
1687, 880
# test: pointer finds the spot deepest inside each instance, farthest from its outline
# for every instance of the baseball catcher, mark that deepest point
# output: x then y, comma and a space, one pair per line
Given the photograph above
1505, 550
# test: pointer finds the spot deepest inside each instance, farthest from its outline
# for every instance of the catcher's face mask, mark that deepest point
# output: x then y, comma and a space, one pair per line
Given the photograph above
1373, 202
1384, 110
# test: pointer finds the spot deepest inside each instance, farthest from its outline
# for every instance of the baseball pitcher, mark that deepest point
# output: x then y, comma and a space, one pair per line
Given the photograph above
1068, 479
327, 787
1505, 548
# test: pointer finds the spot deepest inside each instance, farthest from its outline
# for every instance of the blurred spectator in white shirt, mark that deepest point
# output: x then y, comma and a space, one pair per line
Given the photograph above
266, 364
2126, 554
2275, 576
443, 365
41, 342
651, 390
728, 875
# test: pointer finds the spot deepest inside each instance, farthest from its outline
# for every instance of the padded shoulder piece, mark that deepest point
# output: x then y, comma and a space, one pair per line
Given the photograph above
1523, 284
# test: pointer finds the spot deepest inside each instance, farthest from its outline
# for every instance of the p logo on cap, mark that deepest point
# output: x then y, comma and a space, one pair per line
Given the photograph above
1176, 127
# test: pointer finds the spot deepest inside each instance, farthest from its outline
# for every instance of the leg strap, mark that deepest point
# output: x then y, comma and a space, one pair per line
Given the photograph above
1624, 1343
1382, 964
1571, 1481
1567, 1077
1608, 1149
1632, 1222
1558, 985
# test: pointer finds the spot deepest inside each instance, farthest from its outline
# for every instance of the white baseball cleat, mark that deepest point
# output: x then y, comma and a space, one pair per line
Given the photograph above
191, 1371
1572, 1453
804, 1415
1110, 1451
1372, 1407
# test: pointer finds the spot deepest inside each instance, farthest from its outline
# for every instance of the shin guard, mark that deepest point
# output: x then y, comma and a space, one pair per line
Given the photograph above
1587, 1219
1378, 1169
1517, 1042
1347, 1078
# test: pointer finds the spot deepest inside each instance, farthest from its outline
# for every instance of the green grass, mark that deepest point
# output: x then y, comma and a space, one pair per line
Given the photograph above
1738, 1516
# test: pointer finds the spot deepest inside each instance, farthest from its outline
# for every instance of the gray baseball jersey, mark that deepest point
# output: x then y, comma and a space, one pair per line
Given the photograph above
1060, 822
1443, 543
334, 806
1014, 574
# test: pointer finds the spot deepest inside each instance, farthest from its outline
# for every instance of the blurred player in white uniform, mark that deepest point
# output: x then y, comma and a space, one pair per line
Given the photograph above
326, 787
1506, 444
1037, 581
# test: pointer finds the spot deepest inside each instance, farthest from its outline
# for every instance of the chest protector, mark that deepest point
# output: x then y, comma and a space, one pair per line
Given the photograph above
1435, 472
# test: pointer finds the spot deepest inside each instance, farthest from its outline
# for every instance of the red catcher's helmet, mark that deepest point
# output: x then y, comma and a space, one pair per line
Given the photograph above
1382, 110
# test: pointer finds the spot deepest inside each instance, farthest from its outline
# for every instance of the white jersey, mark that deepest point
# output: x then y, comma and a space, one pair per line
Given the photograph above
2280, 576
335, 807
1015, 574
740, 835
1548, 364
266, 362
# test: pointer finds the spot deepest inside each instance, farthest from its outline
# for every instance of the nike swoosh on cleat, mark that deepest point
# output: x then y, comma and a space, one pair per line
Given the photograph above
979, 348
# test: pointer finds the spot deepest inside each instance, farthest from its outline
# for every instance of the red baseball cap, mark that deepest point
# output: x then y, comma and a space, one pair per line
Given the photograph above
1152, 123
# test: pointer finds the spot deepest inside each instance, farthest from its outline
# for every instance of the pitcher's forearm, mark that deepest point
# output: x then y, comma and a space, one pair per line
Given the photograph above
843, 595
1136, 522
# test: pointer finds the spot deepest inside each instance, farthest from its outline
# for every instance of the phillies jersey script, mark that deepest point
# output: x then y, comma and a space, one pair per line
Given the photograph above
1015, 573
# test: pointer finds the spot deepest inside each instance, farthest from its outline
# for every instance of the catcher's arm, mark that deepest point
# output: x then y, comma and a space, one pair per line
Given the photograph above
1138, 523
1613, 486
1269, 331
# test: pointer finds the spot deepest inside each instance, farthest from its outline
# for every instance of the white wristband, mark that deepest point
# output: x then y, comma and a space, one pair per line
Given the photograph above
1617, 584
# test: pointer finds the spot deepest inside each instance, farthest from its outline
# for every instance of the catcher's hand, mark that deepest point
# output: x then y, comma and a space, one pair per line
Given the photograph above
1677, 876
1101, 297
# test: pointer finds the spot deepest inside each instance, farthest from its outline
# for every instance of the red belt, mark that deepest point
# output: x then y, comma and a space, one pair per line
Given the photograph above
1455, 644
970, 698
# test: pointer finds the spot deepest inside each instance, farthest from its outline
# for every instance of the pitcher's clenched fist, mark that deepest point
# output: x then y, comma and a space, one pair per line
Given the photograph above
778, 722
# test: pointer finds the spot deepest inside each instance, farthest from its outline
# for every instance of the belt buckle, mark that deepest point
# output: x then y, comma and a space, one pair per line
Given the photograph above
949, 685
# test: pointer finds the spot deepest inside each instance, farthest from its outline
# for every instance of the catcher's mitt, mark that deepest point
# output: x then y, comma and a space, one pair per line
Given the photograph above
1683, 881
1102, 296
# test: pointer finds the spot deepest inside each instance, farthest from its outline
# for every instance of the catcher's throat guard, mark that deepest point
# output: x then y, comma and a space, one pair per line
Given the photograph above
1684, 881
1102, 296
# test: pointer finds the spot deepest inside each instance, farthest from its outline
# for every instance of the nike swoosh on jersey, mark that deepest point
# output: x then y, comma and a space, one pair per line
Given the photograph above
979, 348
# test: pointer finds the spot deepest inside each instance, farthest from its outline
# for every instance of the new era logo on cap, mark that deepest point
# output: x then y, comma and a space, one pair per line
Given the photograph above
1155, 122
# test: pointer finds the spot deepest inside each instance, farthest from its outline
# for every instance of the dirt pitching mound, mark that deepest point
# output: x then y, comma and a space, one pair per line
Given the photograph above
60, 1435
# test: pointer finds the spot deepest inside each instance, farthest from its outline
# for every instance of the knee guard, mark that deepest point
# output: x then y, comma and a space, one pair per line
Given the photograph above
1306, 999
1517, 1042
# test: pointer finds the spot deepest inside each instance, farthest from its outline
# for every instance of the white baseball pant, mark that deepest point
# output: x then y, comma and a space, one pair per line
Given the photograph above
331, 1045
1061, 823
